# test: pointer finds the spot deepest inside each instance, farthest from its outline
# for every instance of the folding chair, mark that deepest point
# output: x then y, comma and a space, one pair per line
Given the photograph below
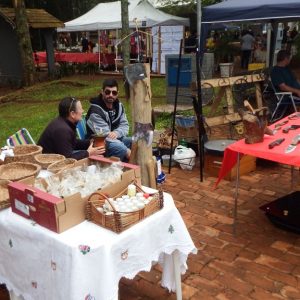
283, 101
21, 137
81, 128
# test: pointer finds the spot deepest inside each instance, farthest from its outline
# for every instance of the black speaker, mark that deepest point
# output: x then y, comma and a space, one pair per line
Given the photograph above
284, 212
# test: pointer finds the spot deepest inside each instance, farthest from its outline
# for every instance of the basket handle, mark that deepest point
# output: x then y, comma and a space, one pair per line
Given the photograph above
104, 196
138, 187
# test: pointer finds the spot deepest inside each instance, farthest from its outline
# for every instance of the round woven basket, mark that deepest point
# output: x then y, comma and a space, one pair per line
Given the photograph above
24, 153
62, 165
18, 170
45, 160
4, 196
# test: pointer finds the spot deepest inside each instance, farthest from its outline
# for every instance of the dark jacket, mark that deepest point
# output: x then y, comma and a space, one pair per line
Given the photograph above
60, 137
98, 118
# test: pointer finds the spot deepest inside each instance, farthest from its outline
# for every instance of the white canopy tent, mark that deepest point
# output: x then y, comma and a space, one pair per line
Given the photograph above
108, 16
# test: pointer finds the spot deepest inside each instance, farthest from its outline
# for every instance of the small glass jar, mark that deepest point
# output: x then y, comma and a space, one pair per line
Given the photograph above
131, 190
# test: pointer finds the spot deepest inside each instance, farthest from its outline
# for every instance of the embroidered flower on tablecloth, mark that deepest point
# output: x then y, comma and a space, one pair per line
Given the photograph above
89, 297
10, 243
124, 255
53, 265
34, 284
84, 249
171, 229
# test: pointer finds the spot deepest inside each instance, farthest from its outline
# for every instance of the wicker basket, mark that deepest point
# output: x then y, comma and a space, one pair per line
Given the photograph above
119, 221
24, 153
61, 165
45, 160
18, 170
4, 196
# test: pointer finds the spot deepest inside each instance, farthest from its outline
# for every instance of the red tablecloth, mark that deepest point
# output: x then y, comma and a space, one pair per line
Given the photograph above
262, 150
77, 57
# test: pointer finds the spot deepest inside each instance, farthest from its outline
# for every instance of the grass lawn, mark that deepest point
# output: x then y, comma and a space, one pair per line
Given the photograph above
34, 107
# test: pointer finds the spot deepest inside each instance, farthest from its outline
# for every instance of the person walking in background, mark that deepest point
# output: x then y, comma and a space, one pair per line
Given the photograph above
247, 43
59, 137
85, 44
285, 36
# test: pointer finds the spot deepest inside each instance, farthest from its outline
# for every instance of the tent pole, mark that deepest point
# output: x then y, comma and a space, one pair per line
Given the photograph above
175, 103
99, 55
269, 31
199, 19
159, 51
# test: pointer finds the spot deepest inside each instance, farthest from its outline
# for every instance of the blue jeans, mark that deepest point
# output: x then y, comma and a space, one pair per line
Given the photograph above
118, 147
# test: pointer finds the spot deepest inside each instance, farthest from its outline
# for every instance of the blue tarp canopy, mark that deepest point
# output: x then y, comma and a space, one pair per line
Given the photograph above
250, 10
224, 26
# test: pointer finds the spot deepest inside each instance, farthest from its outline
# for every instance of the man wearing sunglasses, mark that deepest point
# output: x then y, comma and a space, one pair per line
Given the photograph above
59, 137
106, 115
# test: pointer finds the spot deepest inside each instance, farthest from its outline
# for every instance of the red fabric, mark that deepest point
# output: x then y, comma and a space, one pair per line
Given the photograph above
77, 57
262, 150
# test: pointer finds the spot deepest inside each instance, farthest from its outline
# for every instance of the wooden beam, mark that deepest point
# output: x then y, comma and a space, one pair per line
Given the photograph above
228, 81
225, 119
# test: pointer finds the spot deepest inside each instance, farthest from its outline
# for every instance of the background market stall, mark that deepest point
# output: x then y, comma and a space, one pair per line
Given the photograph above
105, 19
40, 23
270, 11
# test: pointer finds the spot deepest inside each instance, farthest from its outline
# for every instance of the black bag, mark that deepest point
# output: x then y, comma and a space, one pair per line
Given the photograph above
284, 212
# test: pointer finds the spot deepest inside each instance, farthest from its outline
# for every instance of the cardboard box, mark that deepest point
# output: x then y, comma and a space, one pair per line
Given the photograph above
55, 213
256, 66
213, 163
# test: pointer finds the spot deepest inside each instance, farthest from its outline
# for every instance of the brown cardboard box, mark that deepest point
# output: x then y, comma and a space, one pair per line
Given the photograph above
213, 163
55, 213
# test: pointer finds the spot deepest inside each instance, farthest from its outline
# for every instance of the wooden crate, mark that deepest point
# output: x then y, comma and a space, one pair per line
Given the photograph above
213, 163
188, 133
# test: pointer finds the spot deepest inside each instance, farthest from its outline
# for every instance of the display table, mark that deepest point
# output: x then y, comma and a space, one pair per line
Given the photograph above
73, 57
87, 261
234, 151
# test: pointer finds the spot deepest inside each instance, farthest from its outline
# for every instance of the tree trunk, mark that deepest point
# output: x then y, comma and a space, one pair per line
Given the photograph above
140, 99
24, 42
125, 32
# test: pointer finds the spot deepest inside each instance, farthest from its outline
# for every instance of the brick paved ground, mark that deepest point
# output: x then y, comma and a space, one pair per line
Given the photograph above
260, 262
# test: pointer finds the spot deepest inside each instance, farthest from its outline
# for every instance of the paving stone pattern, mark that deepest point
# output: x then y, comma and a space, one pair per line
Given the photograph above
261, 262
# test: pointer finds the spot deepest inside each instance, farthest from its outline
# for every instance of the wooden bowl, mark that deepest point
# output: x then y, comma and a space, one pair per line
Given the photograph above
61, 165
18, 170
45, 160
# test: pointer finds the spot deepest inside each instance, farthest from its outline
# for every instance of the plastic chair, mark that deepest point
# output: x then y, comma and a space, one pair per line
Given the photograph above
21, 137
81, 128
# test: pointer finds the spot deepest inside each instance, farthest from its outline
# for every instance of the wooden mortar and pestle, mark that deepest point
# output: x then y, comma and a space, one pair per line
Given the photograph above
255, 123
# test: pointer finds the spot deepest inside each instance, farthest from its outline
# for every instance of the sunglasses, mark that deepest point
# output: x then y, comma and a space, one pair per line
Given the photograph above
108, 92
71, 105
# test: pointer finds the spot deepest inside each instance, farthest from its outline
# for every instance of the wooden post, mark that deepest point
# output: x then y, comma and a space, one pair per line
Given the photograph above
141, 108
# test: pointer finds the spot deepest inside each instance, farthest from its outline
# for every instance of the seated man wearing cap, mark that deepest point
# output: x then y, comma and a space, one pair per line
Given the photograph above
106, 115
59, 137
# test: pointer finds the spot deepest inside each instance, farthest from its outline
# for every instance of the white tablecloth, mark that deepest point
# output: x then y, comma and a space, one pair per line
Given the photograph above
87, 261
